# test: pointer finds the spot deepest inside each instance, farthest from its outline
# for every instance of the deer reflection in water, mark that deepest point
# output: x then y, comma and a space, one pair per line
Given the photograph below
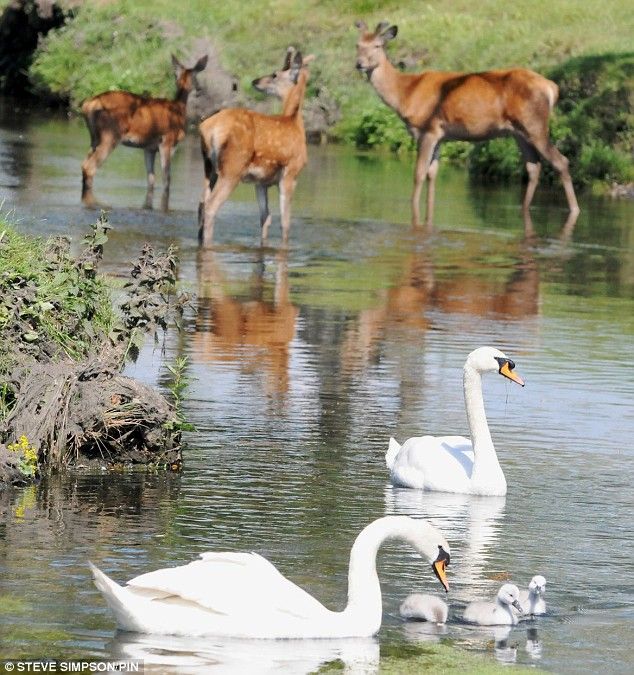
254, 331
419, 288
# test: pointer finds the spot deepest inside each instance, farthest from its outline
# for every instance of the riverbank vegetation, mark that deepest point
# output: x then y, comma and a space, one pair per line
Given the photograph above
63, 400
582, 45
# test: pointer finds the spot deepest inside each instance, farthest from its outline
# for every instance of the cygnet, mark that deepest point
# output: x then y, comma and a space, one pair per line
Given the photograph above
532, 600
498, 613
419, 607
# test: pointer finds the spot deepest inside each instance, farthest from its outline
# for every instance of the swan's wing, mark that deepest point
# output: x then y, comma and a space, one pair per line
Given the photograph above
392, 452
435, 462
232, 584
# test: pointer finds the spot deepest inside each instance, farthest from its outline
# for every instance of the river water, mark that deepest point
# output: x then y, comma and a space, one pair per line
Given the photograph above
302, 364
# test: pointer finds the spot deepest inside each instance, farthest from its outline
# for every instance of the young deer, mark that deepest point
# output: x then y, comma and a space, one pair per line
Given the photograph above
154, 124
244, 145
443, 106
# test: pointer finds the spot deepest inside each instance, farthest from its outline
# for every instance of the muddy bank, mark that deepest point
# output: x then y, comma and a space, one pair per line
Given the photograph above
63, 400
22, 24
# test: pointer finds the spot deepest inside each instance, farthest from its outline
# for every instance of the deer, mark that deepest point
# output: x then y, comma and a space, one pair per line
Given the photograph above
441, 106
242, 145
153, 124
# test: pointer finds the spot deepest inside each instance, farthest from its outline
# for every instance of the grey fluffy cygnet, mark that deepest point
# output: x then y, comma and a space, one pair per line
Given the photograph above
498, 613
419, 607
532, 600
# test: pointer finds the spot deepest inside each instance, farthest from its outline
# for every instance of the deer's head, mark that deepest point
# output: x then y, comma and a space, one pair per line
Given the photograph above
371, 45
282, 81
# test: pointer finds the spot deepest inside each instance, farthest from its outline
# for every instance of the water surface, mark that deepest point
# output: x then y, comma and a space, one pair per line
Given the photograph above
303, 363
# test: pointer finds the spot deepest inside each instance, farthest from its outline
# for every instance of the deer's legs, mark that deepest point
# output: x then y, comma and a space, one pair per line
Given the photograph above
96, 157
426, 149
150, 157
287, 187
432, 172
262, 194
560, 162
533, 169
166, 152
212, 201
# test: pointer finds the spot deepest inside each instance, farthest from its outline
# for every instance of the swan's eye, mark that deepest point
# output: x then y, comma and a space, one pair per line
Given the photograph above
511, 364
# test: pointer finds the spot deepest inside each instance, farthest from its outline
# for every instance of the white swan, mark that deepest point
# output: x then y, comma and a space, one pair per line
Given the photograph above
498, 613
455, 463
532, 600
243, 595
420, 607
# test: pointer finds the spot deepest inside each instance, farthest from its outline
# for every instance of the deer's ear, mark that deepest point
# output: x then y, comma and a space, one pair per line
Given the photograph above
361, 25
290, 51
296, 66
201, 64
308, 59
389, 33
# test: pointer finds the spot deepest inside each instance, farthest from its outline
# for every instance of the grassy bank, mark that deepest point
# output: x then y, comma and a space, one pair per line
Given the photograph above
51, 305
63, 346
100, 49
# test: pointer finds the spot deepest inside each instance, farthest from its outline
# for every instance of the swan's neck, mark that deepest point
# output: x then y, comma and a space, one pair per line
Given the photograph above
365, 608
486, 467
534, 598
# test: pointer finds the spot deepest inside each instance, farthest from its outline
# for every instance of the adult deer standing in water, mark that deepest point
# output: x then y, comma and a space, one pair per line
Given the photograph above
443, 106
248, 146
153, 124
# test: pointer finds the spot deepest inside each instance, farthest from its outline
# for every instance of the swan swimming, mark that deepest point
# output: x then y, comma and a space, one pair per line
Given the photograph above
244, 595
532, 600
455, 463
498, 613
420, 607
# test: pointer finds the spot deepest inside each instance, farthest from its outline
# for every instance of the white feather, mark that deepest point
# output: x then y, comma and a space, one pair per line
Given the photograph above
244, 595
454, 463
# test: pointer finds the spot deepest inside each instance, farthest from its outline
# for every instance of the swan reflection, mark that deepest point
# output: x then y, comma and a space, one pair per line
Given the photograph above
533, 645
470, 522
505, 648
222, 655
424, 631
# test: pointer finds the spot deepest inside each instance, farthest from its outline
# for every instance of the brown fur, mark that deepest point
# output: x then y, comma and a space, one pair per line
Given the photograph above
153, 124
439, 106
244, 145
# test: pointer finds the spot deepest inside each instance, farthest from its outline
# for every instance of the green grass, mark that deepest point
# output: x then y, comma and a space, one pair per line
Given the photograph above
101, 49
48, 303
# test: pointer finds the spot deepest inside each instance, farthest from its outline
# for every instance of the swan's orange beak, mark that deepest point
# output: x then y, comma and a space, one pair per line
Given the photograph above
507, 370
439, 565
